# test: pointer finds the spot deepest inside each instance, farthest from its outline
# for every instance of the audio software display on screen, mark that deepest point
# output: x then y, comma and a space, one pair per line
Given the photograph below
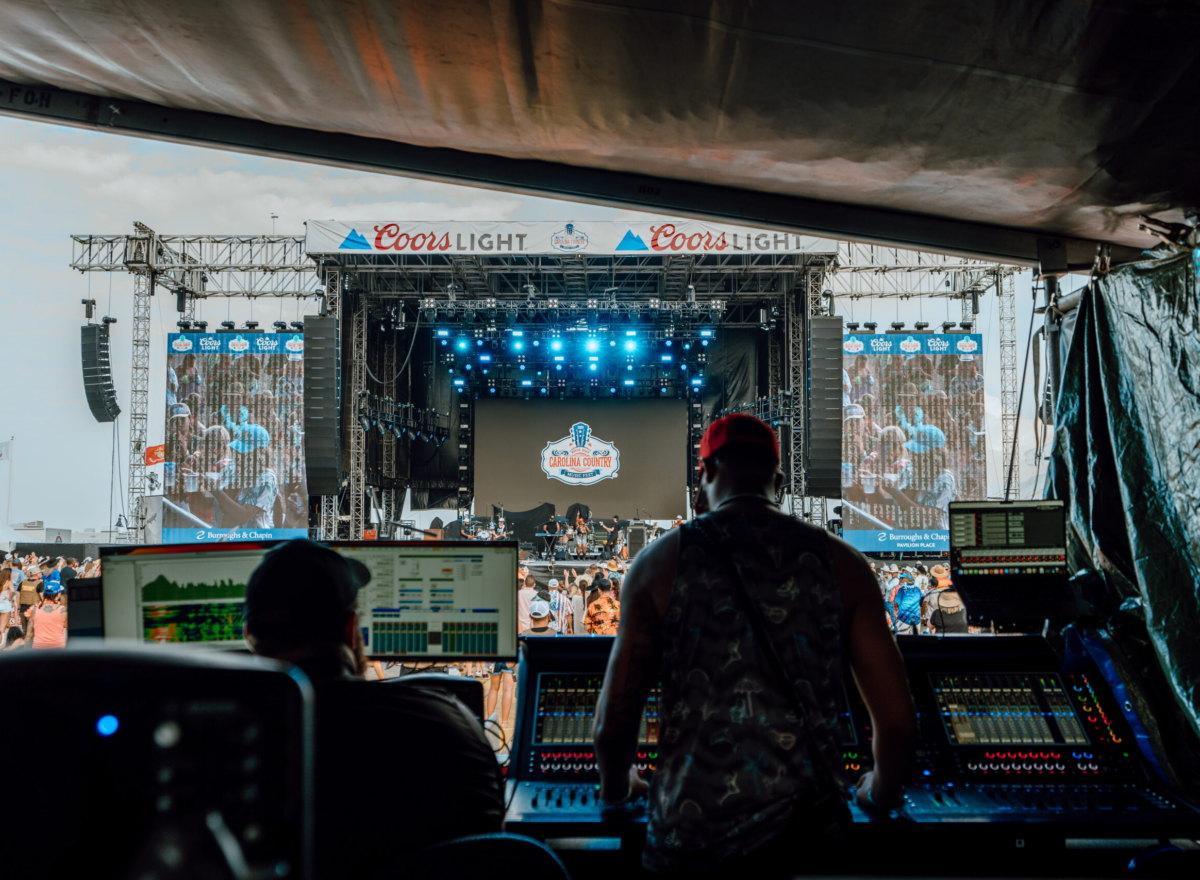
233, 455
624, 458
424, 599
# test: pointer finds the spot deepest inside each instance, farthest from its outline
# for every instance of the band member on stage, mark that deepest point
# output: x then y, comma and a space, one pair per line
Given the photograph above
581, 533
550, 529
614, 534
500, 533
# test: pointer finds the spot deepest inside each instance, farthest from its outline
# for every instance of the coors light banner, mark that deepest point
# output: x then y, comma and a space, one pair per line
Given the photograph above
233, 467
601, 238
912, 437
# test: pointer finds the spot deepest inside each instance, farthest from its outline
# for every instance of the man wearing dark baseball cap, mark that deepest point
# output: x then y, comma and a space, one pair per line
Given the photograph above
301, 607
746, 615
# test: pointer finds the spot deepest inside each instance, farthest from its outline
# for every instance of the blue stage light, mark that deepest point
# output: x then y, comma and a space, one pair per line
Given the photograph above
519, 346
536, 343
612, 342
522, 366
628, 381
556, 345
558, 366
668, 343
629, 366
697, 381
527, 382
479, 342
683, 366
485, 357
687, 346
458, 382
107, 725
592, 345
592, 367
630, 345
666, 358
443, 333
491, 391
706, 333
445, 341
518, 333
543, 391
462, 345
612, 390
559, 358
663, 390
467, 366
704, 342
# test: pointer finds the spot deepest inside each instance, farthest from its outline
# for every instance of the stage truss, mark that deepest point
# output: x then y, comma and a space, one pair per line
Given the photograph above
774, 292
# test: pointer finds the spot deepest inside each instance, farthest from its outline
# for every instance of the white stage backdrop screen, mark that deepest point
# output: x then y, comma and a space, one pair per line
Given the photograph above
912, 437
233, 466
623, 458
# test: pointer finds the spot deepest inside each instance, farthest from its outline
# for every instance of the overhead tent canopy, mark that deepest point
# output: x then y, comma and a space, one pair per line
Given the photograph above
969, 128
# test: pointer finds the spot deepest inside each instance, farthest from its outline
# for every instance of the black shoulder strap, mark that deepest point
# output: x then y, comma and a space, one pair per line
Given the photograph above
826, 786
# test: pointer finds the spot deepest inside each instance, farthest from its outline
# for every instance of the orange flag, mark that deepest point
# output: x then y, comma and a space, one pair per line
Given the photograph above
154, 454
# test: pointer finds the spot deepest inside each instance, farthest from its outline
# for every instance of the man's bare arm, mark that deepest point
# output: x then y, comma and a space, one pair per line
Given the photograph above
879, 672
633, 666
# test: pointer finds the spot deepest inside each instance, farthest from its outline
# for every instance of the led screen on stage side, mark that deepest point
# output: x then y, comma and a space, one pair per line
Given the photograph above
912, 437
233, 463
615, 456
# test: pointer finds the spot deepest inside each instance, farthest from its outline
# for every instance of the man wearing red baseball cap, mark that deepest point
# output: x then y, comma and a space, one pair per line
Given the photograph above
746, 616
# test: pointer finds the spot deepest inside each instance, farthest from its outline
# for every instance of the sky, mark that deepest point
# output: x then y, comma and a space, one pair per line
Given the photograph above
61, 181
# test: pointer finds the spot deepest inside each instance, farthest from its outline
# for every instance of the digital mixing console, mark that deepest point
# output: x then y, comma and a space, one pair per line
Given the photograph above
1013, 751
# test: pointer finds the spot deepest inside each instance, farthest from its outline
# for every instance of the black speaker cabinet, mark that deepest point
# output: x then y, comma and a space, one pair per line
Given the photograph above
97, 373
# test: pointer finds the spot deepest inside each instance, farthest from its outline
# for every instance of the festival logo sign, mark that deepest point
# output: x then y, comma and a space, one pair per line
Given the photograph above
296, 343
239, 344
967, 345
853, 345
580, 459
569, 239
910, 346
181, 344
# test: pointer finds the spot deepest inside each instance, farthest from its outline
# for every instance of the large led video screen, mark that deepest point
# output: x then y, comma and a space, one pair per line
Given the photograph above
625, 458
233, 463
912, 437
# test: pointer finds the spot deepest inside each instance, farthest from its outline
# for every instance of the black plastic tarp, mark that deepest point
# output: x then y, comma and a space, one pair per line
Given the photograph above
1126, 461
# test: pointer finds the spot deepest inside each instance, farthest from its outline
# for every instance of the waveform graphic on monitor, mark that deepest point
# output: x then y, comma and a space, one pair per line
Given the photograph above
163, 589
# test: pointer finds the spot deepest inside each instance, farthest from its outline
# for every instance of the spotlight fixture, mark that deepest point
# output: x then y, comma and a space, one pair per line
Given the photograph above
922, 325
364, 422
228, 325
252, 325
897, 326
870, 325
184, 326
298, 326
967, 325
280, 326
202, 326
947, 326
852, 326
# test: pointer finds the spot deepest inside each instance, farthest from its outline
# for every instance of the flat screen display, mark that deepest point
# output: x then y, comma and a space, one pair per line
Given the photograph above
625, 458
425, 599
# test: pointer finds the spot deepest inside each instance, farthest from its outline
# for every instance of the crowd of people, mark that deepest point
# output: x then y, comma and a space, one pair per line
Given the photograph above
33, 599
920, 600
235, 440
912, 439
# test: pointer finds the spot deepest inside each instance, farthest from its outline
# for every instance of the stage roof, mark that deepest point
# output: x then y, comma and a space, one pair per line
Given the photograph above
974, 128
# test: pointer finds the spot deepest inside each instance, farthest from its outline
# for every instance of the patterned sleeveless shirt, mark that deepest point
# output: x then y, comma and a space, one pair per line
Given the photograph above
733, 758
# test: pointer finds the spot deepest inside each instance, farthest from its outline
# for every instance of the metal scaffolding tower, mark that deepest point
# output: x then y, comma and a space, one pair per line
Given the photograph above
139, 403
1008, 377
356, 485
330, 504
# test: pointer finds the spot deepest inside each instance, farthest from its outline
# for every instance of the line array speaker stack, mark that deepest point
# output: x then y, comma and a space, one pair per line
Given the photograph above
97, 373
322, 412
825, 407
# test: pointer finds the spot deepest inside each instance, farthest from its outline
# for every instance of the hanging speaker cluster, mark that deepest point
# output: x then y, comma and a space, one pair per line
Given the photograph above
97, 372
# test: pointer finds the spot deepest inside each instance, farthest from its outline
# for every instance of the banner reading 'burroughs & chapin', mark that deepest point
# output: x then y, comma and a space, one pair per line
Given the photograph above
912, 437
233, 467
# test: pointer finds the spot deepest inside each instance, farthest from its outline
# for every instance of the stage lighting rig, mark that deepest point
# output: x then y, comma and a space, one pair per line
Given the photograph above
184, 326
967, 325
280, 326
870, 325
252, 326
897, 326
228, 325
202, 326
852, 326
298, 326
922, 326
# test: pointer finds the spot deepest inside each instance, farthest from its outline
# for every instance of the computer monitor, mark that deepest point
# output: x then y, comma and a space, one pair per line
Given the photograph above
1008, 560
427, 600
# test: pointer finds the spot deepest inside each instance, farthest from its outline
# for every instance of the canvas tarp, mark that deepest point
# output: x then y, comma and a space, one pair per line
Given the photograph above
1126, 461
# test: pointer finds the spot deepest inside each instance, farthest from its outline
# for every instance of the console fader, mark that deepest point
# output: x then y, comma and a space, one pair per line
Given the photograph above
1014, 753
